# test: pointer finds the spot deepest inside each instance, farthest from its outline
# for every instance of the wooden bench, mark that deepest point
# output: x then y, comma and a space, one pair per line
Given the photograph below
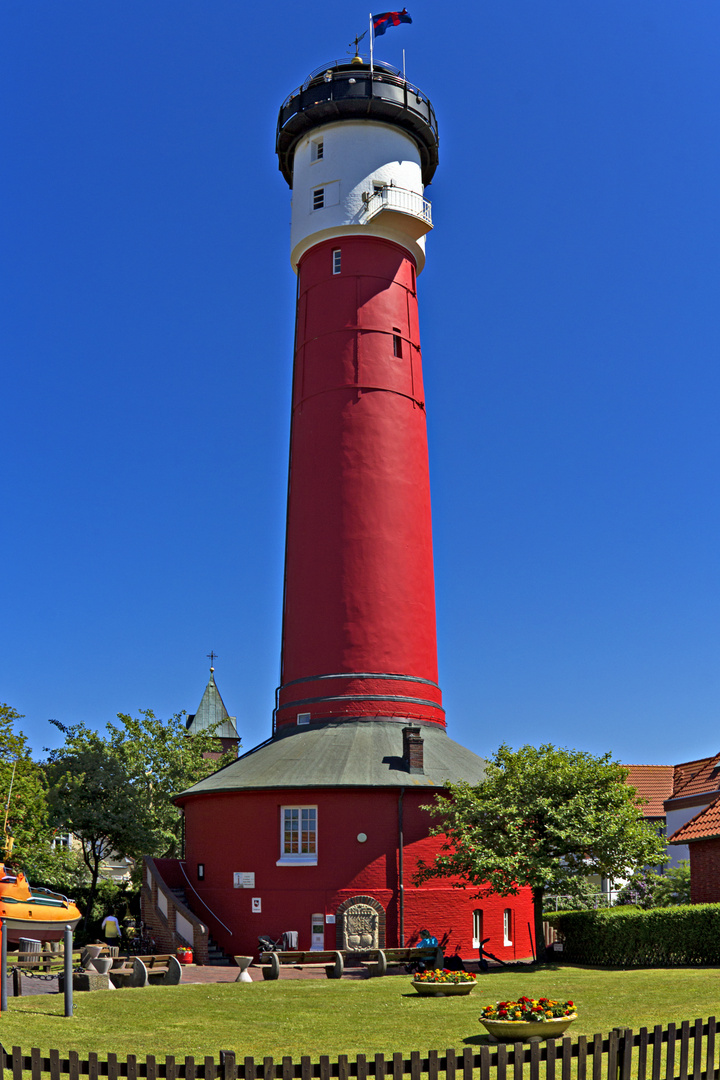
377, 961
34, 961
271, 962
164, 970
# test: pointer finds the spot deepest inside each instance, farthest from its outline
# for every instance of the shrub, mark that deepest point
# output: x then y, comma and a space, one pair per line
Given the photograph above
647, 889
631, 937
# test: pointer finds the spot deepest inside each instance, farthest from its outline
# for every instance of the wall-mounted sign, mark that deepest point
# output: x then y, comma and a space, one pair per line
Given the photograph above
256, 905
244, 880
329, 919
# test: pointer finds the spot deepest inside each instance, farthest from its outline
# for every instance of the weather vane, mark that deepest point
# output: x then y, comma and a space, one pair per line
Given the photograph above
356, 42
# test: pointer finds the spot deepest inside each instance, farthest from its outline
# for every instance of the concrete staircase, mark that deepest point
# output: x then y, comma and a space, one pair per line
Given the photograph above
216, 956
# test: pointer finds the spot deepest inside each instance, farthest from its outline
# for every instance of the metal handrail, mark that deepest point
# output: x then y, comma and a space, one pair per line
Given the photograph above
403, 200
203, 902
342, 73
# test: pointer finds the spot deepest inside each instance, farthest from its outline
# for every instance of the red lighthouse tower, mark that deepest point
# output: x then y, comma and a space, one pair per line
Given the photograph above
321, 829
359, 613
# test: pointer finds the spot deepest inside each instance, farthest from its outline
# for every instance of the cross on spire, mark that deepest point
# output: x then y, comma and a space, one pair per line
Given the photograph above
212, 657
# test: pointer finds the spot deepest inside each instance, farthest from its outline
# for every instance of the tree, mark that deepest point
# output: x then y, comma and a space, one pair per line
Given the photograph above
646, 889
115, 793
92, 796
22, 788
161, 761
541, 815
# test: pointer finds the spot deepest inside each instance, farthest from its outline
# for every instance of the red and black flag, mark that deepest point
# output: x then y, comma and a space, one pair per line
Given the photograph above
389, 18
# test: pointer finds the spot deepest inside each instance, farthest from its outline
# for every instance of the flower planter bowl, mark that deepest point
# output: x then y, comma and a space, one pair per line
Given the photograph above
520, 1030
444, 989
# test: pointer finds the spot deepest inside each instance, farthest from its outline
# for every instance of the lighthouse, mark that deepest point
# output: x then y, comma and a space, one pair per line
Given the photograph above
320, 829
357, 145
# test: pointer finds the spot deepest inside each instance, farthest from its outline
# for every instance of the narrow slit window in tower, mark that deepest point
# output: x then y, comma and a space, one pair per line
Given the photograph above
507, 926
337, 261
318, 198
397, 341
317, 150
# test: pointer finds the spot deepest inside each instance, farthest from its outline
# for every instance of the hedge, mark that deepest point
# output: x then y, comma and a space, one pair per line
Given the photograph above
633, 937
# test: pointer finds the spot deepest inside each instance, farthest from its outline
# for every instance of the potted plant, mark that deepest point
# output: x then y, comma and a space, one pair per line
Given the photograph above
515, 1021
443, 983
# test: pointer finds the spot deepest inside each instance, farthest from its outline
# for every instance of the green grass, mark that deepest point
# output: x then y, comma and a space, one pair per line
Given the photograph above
321, 1016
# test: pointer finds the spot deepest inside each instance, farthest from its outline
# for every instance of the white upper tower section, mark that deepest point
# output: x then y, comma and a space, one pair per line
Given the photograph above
357, 145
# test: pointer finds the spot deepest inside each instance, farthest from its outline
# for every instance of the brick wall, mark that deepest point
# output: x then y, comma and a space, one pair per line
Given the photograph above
705, 871
162, 926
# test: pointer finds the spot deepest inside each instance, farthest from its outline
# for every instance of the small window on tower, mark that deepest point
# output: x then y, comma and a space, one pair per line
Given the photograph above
317, 150
337, 261
318, 198
507, 926
397, 341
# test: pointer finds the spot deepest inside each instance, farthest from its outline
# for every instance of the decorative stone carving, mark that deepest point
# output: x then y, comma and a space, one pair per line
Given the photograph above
360, 928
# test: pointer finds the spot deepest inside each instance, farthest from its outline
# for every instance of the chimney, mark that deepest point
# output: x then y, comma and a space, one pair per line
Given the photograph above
413, 749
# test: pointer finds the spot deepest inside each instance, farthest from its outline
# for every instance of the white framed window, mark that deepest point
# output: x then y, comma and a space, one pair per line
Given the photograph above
62, 840
303, 718
477, 927
337, 261
318, 197
317, 150
507, 926
298, 836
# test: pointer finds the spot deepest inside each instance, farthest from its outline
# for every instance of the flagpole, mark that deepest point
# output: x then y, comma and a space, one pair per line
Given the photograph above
371, 44
404, 79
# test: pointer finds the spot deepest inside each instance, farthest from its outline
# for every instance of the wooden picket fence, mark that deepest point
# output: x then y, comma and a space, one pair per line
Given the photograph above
686, 1052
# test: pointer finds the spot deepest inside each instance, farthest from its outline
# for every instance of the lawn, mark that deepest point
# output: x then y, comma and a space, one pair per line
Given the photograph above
344, 1017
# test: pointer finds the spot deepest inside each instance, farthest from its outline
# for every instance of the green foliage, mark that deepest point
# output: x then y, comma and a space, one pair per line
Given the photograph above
646, 889
674, 885
576, 894
160, 760
541, 816
114, 792
632, 937
92, 796
27, 813
57, 868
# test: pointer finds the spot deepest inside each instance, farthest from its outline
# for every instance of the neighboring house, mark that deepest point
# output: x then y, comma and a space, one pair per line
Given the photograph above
114, 867
211, 711
654, 784
684, 800
693, 825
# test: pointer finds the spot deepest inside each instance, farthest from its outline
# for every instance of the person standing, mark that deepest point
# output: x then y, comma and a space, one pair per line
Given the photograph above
111, 929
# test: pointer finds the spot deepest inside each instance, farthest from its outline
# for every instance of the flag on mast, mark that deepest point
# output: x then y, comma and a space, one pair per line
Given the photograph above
380, 23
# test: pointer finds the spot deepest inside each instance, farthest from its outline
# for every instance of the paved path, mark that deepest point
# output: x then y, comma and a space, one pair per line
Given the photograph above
210, 974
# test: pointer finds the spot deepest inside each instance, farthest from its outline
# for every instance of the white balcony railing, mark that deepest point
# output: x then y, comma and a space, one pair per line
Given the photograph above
401, 200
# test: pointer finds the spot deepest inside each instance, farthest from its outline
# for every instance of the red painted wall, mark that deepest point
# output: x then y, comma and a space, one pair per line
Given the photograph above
359, 589
240, 832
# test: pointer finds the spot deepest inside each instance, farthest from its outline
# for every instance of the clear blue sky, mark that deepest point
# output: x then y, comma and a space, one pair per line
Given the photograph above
570, 316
